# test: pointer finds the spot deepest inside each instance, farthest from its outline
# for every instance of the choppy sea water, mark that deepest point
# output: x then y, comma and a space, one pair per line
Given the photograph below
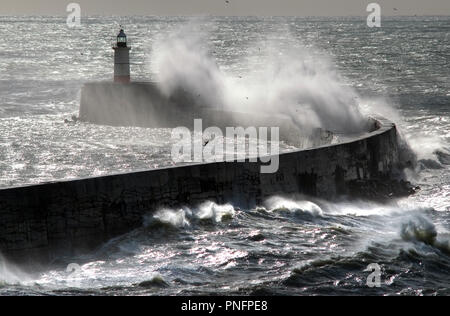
288, 246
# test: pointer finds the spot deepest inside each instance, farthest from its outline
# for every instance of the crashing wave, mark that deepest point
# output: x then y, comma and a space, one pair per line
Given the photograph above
276, 203
184, 217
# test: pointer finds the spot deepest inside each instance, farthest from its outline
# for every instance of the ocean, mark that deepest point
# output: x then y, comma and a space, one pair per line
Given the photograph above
288, 245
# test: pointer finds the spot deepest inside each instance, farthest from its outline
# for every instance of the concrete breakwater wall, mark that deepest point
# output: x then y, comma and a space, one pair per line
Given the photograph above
64, 218
143, 104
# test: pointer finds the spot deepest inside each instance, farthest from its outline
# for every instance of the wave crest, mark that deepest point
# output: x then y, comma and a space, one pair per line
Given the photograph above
275, 204
419, 229
184, 217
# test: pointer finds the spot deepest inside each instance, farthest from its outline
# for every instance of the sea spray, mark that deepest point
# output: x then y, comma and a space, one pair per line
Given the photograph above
418, 149
10, 274
277, 203
295, 82
218, 213
182, 62
185, 217
171, 218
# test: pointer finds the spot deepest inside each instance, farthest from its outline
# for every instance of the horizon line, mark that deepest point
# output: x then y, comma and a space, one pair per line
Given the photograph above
218, 15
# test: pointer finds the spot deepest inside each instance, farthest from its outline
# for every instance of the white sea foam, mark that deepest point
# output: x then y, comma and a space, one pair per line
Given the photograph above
277, 203
10, 274
184, 217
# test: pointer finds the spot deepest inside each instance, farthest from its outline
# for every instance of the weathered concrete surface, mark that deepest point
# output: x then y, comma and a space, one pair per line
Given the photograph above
68, 217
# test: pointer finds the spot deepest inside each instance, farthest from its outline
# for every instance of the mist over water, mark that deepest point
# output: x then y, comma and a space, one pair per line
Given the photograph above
328, 73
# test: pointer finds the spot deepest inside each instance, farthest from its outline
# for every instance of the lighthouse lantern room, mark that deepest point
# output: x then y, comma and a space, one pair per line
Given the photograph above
121, 59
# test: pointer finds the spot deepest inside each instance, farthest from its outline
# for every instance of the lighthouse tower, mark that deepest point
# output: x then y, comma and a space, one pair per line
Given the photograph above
121, 59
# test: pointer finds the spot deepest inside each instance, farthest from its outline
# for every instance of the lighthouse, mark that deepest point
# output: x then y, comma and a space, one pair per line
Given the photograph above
121, 59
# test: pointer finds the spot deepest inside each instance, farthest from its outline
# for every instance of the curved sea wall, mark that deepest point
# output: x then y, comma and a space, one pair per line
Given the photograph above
64, 218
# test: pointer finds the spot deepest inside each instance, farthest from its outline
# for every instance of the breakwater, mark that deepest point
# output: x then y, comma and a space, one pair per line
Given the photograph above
65, 218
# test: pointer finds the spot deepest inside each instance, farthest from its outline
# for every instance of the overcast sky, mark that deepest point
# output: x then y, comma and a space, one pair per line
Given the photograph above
221, 7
